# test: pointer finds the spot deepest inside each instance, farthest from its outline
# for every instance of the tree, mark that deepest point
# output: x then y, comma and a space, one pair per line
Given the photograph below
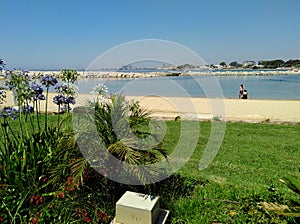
223, 64
235, 64
291, 63
272, 64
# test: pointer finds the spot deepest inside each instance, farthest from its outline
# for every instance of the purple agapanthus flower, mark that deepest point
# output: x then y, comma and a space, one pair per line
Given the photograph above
71, 100
36, 88
63, 109
9, 112
59, 100
48, 80
56, 100
37, 92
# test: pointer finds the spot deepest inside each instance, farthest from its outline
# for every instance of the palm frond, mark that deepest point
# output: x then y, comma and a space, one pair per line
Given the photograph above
77, 167
124, 153
291, 183
57, 174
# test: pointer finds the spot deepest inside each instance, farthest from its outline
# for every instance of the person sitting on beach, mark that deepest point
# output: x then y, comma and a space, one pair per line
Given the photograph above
243, 94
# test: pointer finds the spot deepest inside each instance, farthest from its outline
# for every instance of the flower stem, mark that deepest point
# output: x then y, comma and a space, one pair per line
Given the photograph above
58, 118
46, 109
20, 119
13, 134
37, 115
5, 136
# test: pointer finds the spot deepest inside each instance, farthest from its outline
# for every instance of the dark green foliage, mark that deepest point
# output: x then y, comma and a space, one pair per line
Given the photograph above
235, 64
279, 63
272, 64
291, 63
223, 64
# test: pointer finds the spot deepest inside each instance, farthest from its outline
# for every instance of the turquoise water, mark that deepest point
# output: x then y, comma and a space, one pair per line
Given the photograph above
285, 87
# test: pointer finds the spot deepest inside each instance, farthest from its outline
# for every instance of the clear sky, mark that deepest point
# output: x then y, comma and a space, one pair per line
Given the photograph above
53, 34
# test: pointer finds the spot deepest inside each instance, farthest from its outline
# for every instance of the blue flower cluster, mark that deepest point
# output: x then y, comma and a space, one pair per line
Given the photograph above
60, 100
37, 92
9, 112
63, 101
65, 96
48, 80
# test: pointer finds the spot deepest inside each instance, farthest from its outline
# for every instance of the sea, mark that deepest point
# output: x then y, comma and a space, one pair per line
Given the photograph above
274, 87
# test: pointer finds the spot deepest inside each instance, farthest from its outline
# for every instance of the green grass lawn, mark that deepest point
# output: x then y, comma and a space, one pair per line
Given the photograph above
254, 156
246, 170
250, 162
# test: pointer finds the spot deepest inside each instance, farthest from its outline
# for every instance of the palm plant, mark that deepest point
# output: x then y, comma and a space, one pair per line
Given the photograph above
294, 185
115, 130
294, 209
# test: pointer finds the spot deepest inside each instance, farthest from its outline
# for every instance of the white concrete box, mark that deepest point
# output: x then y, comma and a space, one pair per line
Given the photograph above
137, 208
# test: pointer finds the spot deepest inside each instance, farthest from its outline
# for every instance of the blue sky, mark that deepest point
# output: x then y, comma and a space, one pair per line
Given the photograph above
55, 34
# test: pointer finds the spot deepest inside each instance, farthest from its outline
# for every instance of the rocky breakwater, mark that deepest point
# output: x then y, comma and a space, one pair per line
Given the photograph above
120, 75
106, 74
140, 74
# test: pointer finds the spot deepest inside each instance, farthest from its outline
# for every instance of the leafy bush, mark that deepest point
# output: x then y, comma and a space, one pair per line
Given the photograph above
43, 174
27, 148
114, 126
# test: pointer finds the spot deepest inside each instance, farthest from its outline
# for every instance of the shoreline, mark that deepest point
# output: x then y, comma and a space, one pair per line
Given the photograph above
161, 73
249, 110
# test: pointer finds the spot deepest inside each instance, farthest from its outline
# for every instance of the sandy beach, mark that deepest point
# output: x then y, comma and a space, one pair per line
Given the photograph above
250, 110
